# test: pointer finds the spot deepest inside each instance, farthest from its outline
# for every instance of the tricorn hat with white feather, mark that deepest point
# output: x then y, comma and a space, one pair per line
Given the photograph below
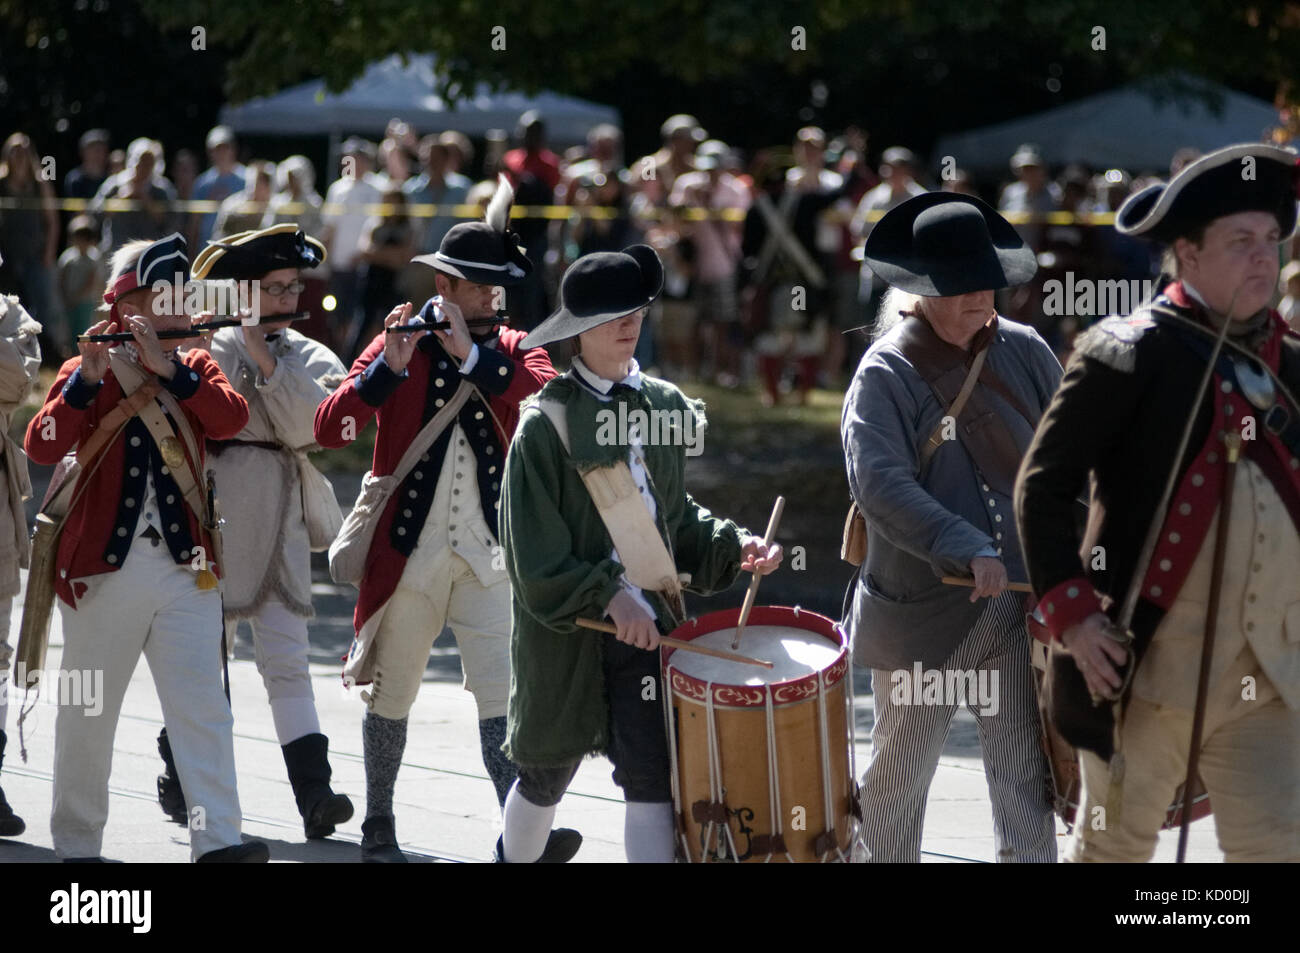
487, 252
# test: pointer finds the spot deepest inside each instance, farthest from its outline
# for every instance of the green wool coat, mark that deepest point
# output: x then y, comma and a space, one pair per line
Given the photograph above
557, 554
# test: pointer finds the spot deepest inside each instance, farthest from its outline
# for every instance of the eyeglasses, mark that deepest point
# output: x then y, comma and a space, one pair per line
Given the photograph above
276, 289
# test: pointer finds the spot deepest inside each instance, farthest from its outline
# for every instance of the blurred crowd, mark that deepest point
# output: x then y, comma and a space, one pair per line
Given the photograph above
764, 281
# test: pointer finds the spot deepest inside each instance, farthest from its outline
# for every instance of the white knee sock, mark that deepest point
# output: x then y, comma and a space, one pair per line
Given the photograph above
648, 832
527, 827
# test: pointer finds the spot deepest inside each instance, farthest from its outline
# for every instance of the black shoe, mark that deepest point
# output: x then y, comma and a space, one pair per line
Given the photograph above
84, 860
170, 796
309, 773
250, 852
11, 825
560, 847
379, 842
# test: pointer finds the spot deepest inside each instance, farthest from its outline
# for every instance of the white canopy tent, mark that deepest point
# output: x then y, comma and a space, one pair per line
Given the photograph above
388, 88
1129, 127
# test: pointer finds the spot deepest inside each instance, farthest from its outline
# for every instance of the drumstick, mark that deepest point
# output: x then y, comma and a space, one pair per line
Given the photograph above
679, 644
777, 509
970, 583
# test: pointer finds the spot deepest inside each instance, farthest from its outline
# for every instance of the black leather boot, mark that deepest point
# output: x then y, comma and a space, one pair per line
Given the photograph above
249, 852
379, 842
170, 796
322, 810
11, 825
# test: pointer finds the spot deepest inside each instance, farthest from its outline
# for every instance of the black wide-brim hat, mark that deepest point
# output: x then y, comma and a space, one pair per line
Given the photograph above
942, 244
601, 287
480, 253
1251, 177
246, 256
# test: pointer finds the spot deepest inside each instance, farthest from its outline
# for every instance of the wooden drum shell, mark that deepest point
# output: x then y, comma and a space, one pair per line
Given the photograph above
741, 727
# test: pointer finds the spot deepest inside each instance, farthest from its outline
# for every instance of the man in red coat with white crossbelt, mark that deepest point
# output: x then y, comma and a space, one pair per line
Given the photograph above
132, 571
434, 559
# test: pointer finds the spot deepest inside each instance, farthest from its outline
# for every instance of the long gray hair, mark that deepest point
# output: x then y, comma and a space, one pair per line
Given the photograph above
894, 306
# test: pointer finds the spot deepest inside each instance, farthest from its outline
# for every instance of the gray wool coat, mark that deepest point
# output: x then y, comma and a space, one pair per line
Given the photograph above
921, 527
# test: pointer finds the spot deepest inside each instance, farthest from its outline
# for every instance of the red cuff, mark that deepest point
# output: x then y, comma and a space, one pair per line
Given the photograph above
1068, 604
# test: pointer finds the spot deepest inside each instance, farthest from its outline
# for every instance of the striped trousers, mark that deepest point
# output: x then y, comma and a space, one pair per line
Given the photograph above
911, 726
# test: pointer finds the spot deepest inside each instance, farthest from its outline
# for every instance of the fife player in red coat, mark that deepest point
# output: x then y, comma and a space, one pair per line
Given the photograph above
434, 559
132, 574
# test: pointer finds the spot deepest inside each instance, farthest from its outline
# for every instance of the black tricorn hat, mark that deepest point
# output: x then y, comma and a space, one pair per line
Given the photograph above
1251, 177
601, 287
487, 252
249, 255
941, 244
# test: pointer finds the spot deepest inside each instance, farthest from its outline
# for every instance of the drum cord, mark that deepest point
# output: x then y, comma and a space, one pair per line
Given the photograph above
827, 804
774, 781
715, 779
671, 721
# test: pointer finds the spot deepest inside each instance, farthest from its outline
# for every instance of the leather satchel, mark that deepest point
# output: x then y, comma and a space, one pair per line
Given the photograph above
70, 482
351, 547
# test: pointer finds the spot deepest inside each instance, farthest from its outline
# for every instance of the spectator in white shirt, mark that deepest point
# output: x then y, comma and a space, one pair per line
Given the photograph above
345, 219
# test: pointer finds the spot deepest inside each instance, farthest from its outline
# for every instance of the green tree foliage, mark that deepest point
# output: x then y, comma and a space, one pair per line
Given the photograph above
577, 45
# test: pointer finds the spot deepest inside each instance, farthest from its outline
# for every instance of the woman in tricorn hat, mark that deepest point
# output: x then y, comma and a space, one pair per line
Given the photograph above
934, 481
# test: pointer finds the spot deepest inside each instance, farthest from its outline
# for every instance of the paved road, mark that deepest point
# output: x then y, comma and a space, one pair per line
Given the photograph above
444, 803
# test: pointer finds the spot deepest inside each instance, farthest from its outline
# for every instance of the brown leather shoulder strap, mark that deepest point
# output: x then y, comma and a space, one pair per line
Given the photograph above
936, 360
940, 365
108, 426
954, 409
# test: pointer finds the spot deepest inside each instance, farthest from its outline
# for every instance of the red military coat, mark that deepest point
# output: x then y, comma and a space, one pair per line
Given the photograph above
402, 405
90, 544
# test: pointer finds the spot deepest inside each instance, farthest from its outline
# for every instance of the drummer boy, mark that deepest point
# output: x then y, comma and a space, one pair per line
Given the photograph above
573, 691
